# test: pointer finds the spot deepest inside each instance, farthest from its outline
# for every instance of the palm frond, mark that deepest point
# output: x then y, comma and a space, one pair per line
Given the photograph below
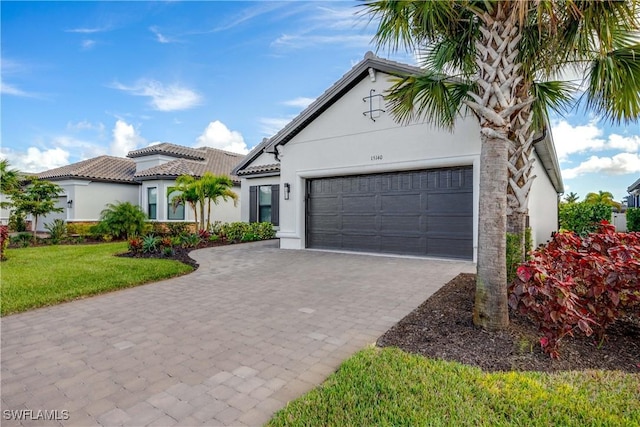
614, 85
430, 96
557, 96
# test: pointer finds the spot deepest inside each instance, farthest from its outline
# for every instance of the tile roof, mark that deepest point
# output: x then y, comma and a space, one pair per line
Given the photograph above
259, 169
189, 161
167, 148
218, 162
101, 168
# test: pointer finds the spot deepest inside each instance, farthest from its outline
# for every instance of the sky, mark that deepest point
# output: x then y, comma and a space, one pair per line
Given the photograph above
82, 79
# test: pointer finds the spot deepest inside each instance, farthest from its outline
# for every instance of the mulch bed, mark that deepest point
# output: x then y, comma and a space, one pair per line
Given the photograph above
442, 328
179, 253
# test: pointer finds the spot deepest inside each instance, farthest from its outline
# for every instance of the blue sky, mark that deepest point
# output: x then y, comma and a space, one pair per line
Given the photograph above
81, 79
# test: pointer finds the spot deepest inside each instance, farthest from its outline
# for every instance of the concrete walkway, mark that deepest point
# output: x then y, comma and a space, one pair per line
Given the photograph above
229, 344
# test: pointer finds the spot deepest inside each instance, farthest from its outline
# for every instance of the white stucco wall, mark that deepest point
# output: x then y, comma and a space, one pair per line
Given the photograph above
543, 206
343, 141
224, 211
61, 203
90, 197
248, 182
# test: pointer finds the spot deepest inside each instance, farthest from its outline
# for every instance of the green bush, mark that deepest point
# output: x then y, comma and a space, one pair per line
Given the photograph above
583, 218
177, 228
245, 232
23, 239
57, 230
633, 219
122, 219
79, 228
17, 222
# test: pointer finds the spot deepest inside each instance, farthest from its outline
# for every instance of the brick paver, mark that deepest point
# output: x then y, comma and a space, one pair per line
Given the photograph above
229, 344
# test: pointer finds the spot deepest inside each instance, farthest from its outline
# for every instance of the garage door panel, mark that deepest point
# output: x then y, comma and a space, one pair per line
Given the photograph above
400, 202
428, 212
359, 203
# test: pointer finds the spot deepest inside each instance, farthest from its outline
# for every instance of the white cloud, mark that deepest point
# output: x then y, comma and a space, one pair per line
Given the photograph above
159, 37
88, 44
302, 41
163, 98
87, 30
35, 159
125, 138
570, 139
628, 144
7, 89
300, 102
272, 125
620, 164
85, 125
218, 135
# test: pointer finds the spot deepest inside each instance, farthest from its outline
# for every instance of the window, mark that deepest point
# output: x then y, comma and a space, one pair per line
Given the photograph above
264, 203
152, 202
175, 211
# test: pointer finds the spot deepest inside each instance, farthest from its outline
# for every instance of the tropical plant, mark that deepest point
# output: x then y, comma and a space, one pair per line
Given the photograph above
37, 199
602, 198
496, 60
583, 218
150, 243
57, 230
9, 178
571, 197
122, 220
633, 219
197, 192
4, 241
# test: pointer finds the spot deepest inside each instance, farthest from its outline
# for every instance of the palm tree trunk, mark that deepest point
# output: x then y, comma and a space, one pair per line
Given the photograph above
490, 309
208, 213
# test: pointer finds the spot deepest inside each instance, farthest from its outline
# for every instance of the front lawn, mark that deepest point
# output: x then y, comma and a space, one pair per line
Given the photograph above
39, 276
388, 387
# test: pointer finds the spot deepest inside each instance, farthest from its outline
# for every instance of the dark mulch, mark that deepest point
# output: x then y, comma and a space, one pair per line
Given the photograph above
442, 328
179, 253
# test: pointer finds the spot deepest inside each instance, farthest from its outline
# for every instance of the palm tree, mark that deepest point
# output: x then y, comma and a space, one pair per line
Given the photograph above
495, 60
215, 188
571, 197
185, 186
602, 198
9, 178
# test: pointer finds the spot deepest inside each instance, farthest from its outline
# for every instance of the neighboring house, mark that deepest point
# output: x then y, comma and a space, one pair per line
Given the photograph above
633, 199
142, 179
343, 175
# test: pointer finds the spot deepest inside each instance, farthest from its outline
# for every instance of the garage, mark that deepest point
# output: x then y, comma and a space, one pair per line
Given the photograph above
424, 213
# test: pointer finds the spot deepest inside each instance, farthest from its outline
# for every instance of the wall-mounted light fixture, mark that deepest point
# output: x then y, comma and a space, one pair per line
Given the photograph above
287, 190
70, 204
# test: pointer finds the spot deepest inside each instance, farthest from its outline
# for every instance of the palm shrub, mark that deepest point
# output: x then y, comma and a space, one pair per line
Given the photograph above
57, 230
633, 219
122, 220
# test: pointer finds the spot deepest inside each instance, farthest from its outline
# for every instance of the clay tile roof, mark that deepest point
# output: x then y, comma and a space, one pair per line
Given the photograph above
103, 168
252, 170
169, 149
218, 162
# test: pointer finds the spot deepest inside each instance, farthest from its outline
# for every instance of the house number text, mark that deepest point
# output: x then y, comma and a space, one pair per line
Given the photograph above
376, 157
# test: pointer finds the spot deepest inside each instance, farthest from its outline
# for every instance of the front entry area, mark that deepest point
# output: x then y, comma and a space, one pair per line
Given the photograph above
424, 213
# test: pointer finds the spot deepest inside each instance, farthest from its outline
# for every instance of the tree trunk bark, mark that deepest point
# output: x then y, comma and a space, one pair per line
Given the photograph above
491, 309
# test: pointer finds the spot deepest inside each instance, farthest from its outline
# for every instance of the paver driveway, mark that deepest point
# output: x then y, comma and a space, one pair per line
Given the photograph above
229, 344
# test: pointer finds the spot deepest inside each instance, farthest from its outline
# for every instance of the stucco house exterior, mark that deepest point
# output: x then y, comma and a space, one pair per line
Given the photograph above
633, 199
141, 178
344, 175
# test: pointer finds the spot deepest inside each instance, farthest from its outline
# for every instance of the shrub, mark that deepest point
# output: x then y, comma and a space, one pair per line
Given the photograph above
263, 230
234, 231
633, 219
17, 222
204, 234
135, 244
166, 242
245, 232
150, 243
583, 218
57, 230
122, 220
177, 228
4, 241
579, 284
79, 228
190, 240
22, 239
167, 251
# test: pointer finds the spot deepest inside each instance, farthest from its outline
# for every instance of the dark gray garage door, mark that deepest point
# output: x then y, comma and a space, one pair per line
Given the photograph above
428, 212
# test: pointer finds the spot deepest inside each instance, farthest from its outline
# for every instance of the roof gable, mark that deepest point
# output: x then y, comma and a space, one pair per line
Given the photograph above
168, 149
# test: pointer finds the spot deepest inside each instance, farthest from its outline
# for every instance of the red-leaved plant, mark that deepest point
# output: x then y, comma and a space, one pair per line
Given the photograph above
4, 241
577, 283
135, 244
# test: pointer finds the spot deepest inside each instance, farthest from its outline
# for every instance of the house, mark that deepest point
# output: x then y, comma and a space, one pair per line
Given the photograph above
633, 199
142, 178
344, 175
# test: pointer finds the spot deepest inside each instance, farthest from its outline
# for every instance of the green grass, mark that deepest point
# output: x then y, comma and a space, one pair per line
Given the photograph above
46, 275
392, 388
